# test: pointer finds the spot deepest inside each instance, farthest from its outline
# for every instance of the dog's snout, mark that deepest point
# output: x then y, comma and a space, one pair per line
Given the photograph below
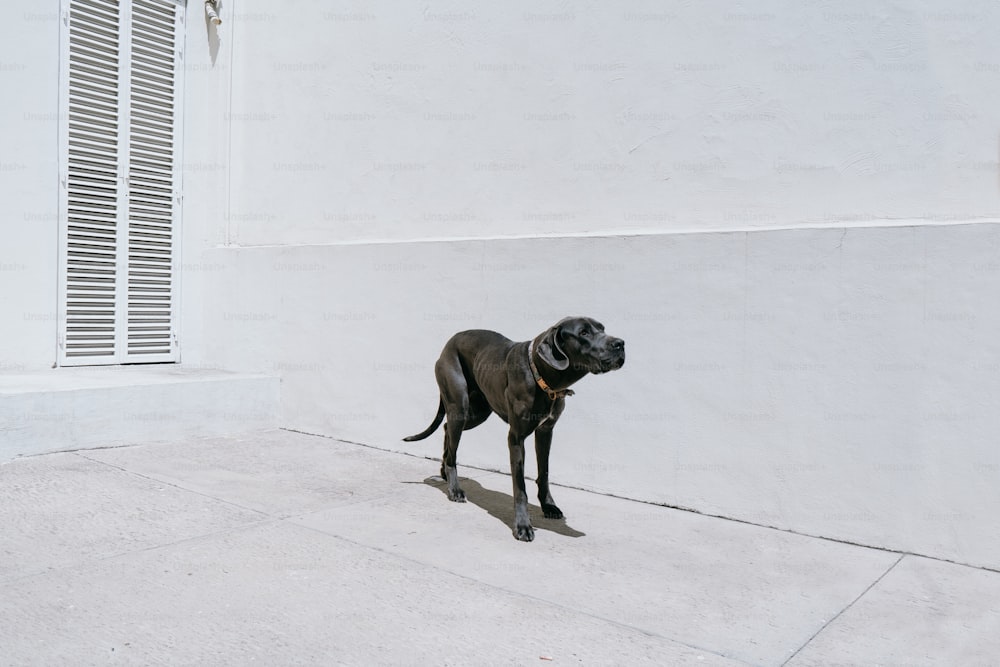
617, 346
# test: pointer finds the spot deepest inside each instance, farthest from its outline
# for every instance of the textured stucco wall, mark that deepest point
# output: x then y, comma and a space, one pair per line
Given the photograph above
389, 121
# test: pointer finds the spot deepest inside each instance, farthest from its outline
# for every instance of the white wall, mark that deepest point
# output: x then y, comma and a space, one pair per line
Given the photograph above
206, 172
29, 62
383, 120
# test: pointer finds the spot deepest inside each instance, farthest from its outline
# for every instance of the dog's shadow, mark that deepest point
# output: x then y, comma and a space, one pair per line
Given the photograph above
501, 506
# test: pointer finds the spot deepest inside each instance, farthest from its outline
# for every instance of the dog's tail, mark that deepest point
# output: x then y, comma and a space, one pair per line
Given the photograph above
433, 427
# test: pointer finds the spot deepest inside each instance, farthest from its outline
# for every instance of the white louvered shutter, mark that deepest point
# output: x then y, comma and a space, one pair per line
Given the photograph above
120, 192
153, 172
91, 183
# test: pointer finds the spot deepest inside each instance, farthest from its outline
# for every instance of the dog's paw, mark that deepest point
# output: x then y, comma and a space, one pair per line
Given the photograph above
524, 533
456, 496
551, 511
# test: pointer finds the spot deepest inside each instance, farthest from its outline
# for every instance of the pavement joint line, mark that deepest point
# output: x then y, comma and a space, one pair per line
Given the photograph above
82, 564
384, 450
175, 485
515, 593
845, 609
791, 531
679, 508
197, 538
268, 515
267, 519
144, 443
71, 450
333, 508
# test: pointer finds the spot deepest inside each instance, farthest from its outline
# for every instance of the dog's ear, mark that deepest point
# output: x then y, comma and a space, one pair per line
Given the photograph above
550, 351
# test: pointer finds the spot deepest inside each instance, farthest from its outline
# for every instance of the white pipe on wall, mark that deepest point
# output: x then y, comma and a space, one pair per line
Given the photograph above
212, 9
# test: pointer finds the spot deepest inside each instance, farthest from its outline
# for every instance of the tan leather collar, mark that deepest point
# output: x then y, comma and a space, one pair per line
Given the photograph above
552, 393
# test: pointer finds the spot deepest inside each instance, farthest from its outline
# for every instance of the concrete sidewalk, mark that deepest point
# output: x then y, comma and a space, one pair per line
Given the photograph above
279, 548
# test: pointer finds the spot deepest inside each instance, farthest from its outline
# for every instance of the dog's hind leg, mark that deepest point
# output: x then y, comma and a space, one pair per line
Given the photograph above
449, 461
455, 395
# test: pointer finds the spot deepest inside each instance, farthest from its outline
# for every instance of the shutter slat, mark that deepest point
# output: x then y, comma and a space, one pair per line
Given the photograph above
97, 11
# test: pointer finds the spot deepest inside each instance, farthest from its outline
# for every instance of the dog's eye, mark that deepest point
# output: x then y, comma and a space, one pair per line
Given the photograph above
585, 333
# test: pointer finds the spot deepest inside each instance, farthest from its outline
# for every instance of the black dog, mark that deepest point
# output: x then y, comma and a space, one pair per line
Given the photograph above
526, 383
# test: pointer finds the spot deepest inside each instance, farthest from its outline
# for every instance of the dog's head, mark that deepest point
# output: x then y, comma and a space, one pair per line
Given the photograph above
581, 344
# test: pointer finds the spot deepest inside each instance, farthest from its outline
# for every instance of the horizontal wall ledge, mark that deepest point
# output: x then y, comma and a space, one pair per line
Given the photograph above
79, 408
628, 233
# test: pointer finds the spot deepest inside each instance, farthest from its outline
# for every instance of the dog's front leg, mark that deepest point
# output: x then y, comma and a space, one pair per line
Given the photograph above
522, 522
543, 444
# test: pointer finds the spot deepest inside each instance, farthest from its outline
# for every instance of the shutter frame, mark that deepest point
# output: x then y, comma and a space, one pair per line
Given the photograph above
120, 181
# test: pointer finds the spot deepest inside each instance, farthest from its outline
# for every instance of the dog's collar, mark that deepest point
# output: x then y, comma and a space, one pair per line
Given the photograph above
552, 393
